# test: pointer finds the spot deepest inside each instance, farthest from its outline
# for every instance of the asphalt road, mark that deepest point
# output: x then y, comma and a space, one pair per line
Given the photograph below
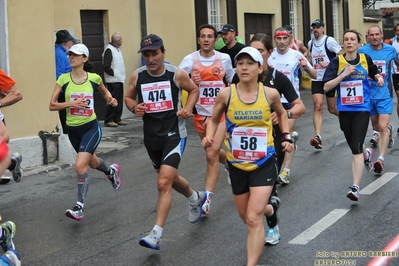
317, 221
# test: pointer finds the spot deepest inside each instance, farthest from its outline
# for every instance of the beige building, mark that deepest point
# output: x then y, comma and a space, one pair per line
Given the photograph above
28, 34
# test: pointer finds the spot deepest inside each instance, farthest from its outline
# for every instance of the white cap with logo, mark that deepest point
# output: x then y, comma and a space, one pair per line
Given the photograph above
252, 52
79, 49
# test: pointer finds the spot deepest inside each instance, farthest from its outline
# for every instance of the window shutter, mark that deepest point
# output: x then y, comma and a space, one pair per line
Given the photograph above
345, 12
329, 18
231, 6
285, 12
201, 14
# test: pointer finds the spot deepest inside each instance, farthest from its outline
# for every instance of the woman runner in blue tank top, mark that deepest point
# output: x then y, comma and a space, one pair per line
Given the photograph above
350, 72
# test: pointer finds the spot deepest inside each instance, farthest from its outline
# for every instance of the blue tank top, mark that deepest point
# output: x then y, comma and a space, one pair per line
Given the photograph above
354, 91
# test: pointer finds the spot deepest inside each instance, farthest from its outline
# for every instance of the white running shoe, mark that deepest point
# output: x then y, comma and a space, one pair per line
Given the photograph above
272, 236
195, 211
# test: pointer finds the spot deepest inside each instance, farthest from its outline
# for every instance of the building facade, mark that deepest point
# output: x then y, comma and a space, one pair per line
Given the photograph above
28, 34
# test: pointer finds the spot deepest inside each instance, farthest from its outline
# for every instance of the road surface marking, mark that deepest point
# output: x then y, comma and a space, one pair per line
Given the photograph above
378, 183
318, 227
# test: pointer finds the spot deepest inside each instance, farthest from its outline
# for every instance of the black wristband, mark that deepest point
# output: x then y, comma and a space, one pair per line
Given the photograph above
132, 110
287, 137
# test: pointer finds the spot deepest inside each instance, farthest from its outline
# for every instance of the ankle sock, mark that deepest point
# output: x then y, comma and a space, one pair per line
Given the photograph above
158, 230
193, 199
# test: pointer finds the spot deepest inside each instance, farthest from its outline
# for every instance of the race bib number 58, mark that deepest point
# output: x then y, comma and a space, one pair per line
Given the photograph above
249, 144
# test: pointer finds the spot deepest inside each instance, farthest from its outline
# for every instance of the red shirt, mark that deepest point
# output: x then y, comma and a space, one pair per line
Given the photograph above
5, 81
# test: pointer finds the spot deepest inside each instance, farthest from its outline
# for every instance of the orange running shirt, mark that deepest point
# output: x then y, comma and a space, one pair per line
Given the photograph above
5, 81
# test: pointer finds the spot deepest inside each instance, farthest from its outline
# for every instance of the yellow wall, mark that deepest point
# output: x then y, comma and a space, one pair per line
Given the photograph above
123, 17
174, 22
31, 53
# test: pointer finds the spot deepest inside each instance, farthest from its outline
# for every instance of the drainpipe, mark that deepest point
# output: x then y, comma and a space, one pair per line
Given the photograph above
44, 135
143, 18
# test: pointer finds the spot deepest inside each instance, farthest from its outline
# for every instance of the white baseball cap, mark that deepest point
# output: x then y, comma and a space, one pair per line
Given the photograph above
252, 52
79, 49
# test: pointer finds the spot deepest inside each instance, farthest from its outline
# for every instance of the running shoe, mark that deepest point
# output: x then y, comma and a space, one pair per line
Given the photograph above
5, 179
17, 172
116, 181
207, 204
76, 213
152, 240
284, 177
227, 170
272, 220
316, 142
368, 161
9, 230
295, 137
391, 139
13, 257
374, 139
353, 194
195, 211
272, 236
378, 166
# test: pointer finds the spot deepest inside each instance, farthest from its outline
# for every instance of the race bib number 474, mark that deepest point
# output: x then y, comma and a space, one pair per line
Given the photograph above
157, 96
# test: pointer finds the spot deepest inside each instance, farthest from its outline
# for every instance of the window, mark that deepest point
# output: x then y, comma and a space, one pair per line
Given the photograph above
336, 24
294, 17
4, 60
214, 17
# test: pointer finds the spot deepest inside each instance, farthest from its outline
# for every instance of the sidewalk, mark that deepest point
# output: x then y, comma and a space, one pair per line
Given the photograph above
113, 139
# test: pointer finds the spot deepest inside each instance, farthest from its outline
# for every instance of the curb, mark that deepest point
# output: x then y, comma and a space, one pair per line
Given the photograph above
45, 168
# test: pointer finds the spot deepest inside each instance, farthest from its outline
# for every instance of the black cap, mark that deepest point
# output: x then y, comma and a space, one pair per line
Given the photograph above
150, 42
226, 28
318, 23
288, 28
64, 36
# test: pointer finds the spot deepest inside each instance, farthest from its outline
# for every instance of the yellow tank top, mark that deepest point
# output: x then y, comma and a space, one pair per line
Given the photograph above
249, 143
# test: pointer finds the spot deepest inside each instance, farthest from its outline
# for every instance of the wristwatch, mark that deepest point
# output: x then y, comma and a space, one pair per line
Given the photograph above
1, 104
132, 110
287, 137
290, 114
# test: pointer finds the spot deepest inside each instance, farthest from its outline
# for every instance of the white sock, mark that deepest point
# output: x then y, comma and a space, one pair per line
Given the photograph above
272, 210
158, 230
367, 155
193, 199
381, 158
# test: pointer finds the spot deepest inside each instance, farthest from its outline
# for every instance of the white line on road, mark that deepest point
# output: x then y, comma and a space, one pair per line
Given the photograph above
318, 227
371, 188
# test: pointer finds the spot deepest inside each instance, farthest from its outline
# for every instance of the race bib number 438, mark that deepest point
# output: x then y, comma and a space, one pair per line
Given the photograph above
249, 144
